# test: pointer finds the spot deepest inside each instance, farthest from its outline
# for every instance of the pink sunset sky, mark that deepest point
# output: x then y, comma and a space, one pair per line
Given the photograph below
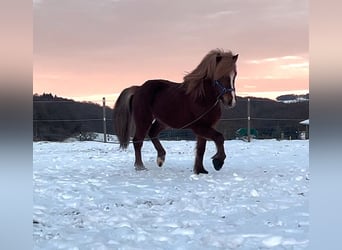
86, 49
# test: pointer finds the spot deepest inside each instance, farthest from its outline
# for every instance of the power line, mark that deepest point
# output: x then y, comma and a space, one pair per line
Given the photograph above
233, 119
70, 120
277, 119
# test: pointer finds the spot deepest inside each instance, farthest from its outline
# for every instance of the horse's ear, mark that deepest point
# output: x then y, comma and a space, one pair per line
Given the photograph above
235, 57
218, 58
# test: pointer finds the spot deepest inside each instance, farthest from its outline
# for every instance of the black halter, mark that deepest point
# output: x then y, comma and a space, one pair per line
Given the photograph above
222, 89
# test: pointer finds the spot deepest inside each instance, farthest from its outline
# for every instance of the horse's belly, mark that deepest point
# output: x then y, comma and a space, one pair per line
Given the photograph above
172, 113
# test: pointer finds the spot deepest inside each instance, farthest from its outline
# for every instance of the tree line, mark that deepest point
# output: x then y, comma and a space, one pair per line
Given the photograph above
56, 118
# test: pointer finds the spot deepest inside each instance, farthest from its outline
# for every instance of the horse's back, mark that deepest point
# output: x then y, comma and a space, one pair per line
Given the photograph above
159, 85
163, 99
152, 90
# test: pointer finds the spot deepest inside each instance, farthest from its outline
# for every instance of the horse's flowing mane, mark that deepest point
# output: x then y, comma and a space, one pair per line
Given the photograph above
207, 70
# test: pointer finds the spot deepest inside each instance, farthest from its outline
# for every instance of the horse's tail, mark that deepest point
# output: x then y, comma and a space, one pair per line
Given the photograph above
124, 125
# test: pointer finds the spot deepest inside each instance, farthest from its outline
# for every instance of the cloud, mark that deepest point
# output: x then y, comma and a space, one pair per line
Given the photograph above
304, 65
275, 59
37, 2
220, 14
126, 41
264, 77
246, 86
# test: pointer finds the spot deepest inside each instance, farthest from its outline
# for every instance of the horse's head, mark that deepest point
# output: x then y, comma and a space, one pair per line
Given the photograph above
224, 78
218, 68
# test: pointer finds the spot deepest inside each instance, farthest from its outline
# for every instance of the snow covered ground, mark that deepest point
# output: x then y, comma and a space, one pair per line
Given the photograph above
87, 195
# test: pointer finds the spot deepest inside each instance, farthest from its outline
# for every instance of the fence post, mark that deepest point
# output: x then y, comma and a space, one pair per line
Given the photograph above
249, 119
104, 121
36, 130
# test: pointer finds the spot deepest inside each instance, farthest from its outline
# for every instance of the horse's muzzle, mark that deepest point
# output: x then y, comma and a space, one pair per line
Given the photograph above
228, 101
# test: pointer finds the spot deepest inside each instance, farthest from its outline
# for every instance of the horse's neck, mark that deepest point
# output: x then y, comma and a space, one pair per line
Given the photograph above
210, 94
210, 90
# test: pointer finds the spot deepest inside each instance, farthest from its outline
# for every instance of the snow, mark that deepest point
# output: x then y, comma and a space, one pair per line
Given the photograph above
87, 195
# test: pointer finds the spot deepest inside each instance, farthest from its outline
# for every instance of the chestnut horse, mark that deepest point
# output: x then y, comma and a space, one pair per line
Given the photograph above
194, 104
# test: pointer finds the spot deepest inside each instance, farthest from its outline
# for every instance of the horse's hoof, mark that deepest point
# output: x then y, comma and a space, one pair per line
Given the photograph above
140, 168
202, 171
160, 160
217, 164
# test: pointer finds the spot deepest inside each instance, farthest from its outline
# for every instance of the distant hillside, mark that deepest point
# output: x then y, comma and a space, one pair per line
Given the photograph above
293, 98
270, 118
56, 118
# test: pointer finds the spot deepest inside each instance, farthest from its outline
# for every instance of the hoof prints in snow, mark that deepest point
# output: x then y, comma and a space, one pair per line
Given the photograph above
87, 195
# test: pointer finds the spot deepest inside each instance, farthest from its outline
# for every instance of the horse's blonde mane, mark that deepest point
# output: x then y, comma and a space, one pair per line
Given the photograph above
207, 69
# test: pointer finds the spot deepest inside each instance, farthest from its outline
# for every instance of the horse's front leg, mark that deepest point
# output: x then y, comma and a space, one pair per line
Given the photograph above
217, 137
198, 167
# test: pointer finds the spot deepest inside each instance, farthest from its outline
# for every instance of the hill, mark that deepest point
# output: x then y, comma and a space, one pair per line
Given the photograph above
56, 118
270, 118
293, 98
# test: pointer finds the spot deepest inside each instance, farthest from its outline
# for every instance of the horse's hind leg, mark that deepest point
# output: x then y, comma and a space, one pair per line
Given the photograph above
143, 123
155, 129
138, 164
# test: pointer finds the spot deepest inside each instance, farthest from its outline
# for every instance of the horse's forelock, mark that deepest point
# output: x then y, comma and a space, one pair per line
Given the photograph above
224, 67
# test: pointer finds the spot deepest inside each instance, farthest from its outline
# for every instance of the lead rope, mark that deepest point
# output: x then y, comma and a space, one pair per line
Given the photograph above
223, 90
201, 116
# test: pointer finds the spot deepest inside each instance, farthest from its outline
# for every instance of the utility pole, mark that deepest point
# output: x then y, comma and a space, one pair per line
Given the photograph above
249, 119
104, 121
